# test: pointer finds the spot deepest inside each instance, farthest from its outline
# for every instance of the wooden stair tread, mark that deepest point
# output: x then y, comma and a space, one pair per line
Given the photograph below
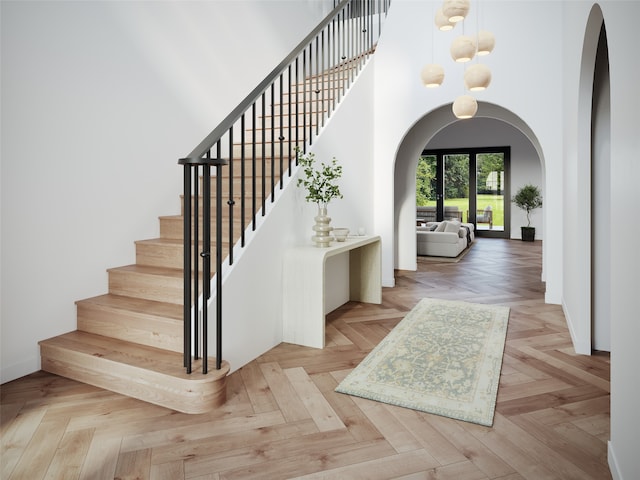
152, 359
177, 242
148, 270
180, 218
169, 311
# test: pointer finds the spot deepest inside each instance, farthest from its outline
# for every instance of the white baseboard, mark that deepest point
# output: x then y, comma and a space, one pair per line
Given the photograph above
613, 463
581, 346
20, 369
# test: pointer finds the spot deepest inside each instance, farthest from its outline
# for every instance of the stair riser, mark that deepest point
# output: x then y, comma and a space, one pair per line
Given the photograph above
312, 103
225, 207
167, 391
277, 133
149, 287
130, 326
303, 121
282, 149
173, 228
169, 256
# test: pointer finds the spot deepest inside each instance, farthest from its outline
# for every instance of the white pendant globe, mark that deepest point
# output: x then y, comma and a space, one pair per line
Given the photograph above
463, 48
465, 106
456, 10
432, 75
486, 42
442, 22
477, 77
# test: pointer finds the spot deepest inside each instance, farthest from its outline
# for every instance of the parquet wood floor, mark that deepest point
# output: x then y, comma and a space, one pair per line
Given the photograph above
284, 420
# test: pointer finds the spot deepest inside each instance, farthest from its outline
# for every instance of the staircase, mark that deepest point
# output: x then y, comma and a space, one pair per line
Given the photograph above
130, 340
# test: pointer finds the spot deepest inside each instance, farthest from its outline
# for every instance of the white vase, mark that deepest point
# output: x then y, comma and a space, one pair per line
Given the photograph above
322, 238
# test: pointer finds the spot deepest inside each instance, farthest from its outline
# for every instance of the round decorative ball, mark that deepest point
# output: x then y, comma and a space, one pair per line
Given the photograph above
456, 10
486, 42
463, 48
442, 21
432, 75
465, 106
477, 77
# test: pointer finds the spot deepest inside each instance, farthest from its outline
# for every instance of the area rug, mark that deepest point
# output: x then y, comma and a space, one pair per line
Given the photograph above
444, 358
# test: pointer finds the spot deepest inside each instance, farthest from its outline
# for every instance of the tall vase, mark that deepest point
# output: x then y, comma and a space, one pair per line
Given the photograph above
322, 238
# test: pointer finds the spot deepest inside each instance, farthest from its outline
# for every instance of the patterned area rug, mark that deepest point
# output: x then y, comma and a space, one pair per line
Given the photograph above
444, 357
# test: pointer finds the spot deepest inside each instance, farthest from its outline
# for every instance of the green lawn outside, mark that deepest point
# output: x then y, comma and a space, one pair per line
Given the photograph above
496, 202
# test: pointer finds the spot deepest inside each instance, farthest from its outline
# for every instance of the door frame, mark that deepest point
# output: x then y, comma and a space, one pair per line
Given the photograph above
472, 153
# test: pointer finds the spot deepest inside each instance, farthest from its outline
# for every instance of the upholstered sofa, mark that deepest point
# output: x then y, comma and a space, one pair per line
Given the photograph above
444, 239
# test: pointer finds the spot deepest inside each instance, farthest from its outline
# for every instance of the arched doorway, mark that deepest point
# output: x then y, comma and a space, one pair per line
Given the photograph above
439, 129
597, 174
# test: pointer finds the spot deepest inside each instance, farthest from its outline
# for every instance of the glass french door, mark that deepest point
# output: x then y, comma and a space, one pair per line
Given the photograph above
469, 185
490, 192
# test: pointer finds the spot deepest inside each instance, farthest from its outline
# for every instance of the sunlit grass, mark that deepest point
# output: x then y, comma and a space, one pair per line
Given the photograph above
496, 202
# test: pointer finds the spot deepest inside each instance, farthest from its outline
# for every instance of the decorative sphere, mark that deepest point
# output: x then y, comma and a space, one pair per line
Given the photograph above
432, 75
455, 10
486, 42
442, 22
463, 48
477, 77
465, 106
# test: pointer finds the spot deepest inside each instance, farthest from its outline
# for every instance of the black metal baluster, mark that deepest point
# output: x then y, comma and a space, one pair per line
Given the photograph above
253, 168
324, 73
242, 180
273, 141
196, 258
231, 202
264, 160
289, 121
304, 100
188, 221
206, 258
317, 90
309, 100
219, 164
280, 135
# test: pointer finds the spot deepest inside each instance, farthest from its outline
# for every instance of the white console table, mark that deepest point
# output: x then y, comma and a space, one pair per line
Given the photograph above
304, 285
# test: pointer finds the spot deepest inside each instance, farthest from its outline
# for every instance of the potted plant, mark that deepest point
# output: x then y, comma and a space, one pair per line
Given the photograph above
528, 198
320, 182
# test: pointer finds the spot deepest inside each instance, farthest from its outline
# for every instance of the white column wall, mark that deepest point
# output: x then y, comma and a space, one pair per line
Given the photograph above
99, 100
620, 20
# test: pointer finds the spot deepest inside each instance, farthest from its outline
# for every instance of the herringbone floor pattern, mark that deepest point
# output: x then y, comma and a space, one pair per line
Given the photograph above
284, 420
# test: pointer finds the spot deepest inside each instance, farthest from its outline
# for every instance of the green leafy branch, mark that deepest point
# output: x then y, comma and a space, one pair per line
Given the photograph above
528, 198
319, 181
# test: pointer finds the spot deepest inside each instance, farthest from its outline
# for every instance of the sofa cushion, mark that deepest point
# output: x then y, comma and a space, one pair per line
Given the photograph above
441, 226
452, 227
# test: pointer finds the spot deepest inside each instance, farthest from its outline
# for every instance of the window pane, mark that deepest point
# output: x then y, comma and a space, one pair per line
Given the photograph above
456, 187
490, 191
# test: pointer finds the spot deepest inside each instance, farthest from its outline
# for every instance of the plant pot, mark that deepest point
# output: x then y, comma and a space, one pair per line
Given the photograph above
528, 234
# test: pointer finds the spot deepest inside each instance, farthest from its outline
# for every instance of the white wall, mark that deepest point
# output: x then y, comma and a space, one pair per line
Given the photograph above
99, 100
402, 103
252, 294
580, 35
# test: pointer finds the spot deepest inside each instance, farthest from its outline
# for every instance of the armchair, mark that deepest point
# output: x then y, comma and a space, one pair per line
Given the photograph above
485, 216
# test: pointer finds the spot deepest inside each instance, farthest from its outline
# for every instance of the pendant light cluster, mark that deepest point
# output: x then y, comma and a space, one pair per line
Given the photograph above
463, 49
